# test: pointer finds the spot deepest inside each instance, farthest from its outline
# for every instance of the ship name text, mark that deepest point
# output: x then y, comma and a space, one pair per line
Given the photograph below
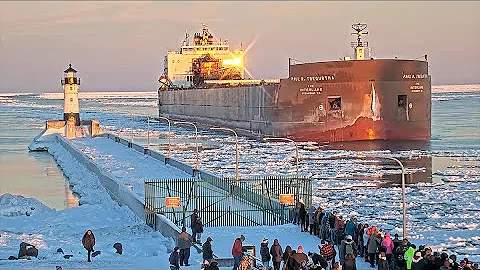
313, 78
417, 88
311, 90
415, 76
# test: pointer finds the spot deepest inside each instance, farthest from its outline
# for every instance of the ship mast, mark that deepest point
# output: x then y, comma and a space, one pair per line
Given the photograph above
360, 47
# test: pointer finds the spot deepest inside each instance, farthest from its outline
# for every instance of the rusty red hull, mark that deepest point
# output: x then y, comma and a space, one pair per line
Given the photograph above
365, 129
358, 100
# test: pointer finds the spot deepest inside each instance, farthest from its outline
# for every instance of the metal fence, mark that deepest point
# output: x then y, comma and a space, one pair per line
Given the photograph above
226, 201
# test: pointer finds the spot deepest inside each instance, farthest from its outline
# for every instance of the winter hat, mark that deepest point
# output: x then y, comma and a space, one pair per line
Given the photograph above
299, 249
265, 240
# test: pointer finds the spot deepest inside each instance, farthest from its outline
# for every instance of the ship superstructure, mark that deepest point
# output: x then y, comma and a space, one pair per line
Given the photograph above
200, 60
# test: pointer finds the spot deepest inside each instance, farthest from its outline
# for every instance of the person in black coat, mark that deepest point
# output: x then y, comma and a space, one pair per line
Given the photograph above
303, 215
174, 259
193, 224
418, 262
88, 242
207, 250
382, 262
264, 253
318, 259
213, 265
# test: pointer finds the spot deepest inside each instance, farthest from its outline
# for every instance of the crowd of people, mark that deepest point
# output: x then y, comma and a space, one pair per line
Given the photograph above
351, 239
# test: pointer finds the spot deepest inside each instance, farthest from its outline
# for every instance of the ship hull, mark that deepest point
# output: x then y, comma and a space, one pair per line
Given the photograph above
334, 101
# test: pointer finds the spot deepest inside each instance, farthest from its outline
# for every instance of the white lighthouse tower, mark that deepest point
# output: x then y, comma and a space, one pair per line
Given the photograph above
70, 84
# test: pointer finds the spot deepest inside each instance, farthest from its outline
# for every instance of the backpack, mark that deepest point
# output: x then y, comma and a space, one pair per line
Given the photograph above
349, 249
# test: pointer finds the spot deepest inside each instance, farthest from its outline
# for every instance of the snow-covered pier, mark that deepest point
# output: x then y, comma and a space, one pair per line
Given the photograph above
122, 168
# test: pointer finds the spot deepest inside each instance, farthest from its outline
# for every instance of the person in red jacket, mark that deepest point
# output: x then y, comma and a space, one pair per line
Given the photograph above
237, 251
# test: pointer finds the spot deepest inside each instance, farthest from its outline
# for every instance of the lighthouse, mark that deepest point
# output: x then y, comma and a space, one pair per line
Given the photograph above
71, 83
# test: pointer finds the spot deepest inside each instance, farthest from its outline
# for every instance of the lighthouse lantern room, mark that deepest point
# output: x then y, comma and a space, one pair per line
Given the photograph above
71, 83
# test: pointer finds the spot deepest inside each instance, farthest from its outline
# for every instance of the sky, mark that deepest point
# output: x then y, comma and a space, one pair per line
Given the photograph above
119, 46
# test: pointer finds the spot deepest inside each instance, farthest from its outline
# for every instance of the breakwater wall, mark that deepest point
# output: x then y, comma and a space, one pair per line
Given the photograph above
118, 192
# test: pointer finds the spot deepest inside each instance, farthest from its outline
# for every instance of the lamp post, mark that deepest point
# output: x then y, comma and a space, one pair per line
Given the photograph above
296, 155
196, 139
168, 120
148, 132
131, 135
236, 147
404, 207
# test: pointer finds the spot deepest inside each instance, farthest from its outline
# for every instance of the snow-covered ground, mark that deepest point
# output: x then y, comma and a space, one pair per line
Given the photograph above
49, 229
130, 167
26, 219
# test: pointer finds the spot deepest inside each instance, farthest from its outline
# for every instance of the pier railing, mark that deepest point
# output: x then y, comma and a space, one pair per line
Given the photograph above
225, 201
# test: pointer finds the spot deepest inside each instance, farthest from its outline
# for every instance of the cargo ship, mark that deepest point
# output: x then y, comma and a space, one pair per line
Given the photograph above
358, 98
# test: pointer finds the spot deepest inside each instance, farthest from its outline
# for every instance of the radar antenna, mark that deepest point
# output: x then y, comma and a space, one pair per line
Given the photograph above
359, 27
360, 48
186, 41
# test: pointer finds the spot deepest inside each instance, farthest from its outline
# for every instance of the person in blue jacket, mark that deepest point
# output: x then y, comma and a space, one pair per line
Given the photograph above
351, 228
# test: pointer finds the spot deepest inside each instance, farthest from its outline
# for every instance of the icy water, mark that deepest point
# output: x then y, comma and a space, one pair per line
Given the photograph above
455, 141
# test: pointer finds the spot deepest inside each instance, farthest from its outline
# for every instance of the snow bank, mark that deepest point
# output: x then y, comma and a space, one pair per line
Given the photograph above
16, 205
49, 230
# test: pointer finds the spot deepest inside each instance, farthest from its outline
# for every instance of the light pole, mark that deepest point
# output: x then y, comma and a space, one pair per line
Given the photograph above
168, 120
404, 207
236, 147
196, 139
131, 138
148, 132
296, 154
